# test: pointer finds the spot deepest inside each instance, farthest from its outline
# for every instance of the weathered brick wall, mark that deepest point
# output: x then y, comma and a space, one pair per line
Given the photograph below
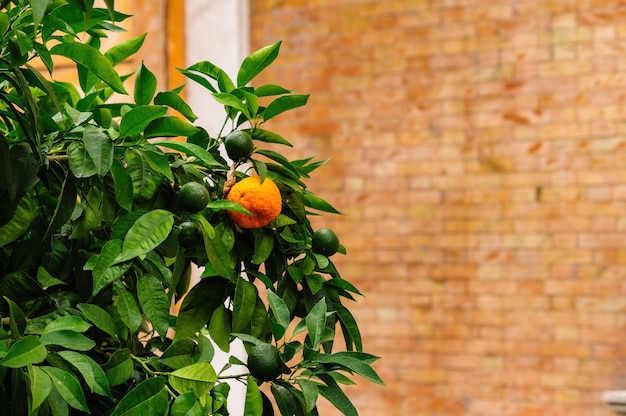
478, 152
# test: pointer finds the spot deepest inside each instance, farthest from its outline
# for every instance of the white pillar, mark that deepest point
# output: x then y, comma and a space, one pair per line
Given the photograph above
217, 31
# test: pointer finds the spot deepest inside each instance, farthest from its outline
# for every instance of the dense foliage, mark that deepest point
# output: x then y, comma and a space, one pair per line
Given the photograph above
101, 312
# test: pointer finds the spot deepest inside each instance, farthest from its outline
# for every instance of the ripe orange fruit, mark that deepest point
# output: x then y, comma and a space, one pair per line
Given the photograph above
238, 145
325, 242
263, 200
264, 362
193, 197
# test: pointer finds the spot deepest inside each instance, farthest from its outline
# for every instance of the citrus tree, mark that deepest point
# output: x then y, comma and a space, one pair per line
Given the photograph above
107, 206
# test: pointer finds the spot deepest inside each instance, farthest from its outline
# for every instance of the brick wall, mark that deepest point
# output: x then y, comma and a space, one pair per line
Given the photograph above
478, 152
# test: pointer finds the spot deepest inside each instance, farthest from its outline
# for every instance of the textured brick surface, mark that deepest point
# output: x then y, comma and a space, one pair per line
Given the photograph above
478, 153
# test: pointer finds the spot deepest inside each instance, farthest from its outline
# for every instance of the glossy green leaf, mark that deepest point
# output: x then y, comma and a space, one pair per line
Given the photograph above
40, 386
66, 202
26, 212
279, 309
350, 328
352, 363
46, 280
284, 399
92, 59
119, 52
91, 372
68, 339
310, 393
175, 101
187, 404
217, 253
68, 387
119, 368
137, 119
190, 149
123, 185
154, 302
198, 378
198, 305
99, 146
243, 304
223, 204
149, 398
99, 317
339, 399
146, 234
180, 354
319, 204
263, 245
270, 89
145, 86
220, 329
128, 309
225, 84
81, 164
69, 323
267, 136
145, 180
254, 402
103, 273
316, 322
25, 351
284, 103
169, 127
232, 101
257, 62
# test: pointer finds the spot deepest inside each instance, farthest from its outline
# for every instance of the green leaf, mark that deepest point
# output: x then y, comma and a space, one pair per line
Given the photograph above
69, 323
270, 89
243, 304
180, 354
154, 302
137, 119
319, 204
198, 378
99, 317
353, 364
26, 212
267, 136
349, 327
17, 323
219, 328
68, 387
128, 309
144, 178
316, 322
263, 245
232, 101
254, 402
198, 305
119, 368
99, 146
284, 399
175, 101
40, 386
81, 164
187, 404
66, 202
218, 254
119, 52
284, 103
223, 204
46, 280
257, 62
26, 351
279, 308
91, 58
225, 84
149, 398
91, 372
310, 393
146, 234
68, 339
190, 149
145, 86
123, 185
103, 273
169, 127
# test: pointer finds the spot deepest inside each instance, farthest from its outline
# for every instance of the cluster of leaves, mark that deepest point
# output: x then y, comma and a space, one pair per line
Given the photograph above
100, 312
